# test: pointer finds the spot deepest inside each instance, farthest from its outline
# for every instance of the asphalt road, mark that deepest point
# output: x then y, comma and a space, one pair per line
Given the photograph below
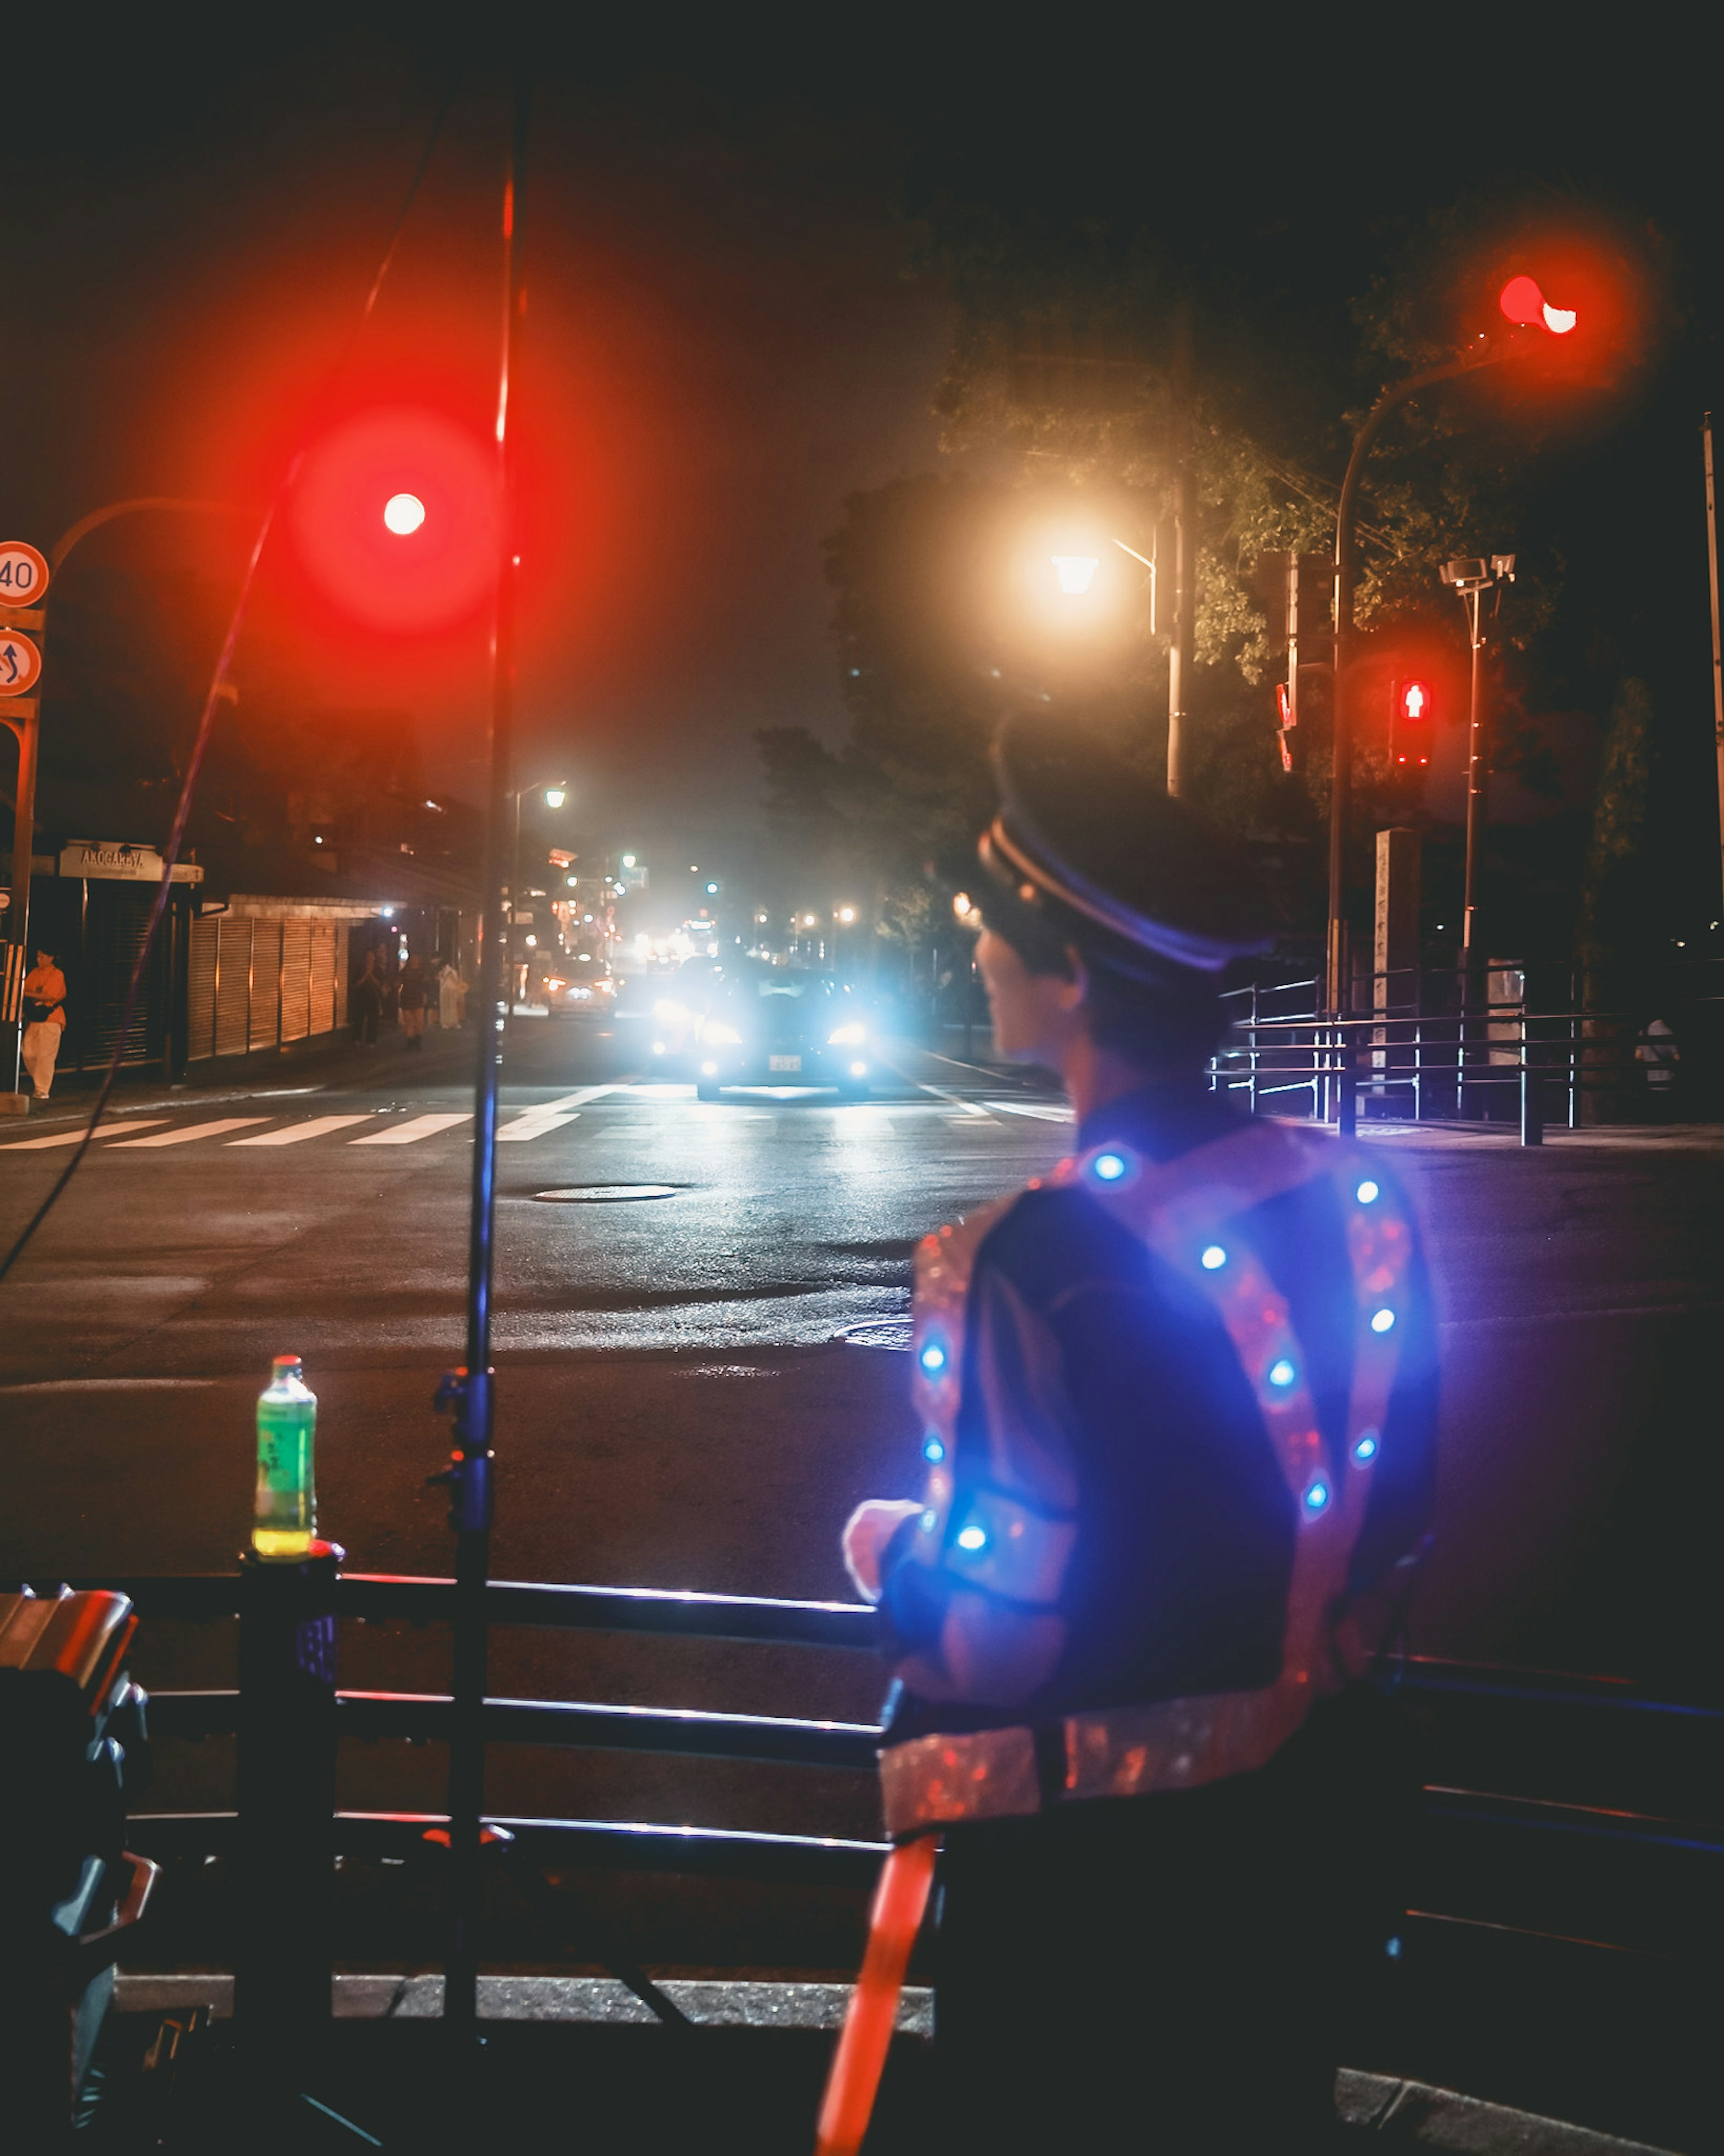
679, 1407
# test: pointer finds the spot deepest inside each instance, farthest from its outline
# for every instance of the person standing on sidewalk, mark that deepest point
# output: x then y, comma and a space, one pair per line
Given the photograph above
45, 1020
365, 1003
411, 1003
1178, 1403
451, 996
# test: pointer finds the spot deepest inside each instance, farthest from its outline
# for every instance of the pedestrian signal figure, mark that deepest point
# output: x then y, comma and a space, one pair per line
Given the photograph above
44, 1021
1178, 1407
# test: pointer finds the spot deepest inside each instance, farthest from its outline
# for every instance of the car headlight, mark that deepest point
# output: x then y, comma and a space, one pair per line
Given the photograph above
847, 1036
553, 983
717, 1034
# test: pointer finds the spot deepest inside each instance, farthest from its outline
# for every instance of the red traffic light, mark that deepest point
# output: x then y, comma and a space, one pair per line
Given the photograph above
1409, 725
395, 517
1523, 302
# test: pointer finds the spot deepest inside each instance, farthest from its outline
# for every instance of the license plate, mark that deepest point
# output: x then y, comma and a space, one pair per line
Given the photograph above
783, 1063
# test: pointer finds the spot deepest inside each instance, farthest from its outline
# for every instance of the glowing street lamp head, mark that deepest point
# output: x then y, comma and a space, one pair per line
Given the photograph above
1522, 301
403, 514
554, 796
1075, 572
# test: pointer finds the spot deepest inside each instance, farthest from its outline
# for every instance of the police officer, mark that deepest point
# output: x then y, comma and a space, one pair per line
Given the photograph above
1179, 1407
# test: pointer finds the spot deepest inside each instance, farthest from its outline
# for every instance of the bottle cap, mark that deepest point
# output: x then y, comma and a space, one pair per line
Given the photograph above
290, 1362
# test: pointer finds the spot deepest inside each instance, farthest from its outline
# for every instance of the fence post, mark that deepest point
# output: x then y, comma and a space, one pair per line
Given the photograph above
1347, 1090
286, 1799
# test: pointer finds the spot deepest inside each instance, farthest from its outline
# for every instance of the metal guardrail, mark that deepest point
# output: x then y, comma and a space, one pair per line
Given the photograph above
1614, 1867
1454, 1065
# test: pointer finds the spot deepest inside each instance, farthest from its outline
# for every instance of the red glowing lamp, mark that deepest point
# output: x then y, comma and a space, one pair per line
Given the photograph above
1409, 736
1523, 302
395, 519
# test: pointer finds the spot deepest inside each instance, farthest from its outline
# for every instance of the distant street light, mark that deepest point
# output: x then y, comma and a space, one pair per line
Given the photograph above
1075, 573
847, 914
555, 792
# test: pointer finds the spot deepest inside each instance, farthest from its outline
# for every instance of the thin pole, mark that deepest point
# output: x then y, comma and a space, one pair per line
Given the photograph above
1184, 560
1477, 781
1335, 985
24, 720
1718, 651
471, 1389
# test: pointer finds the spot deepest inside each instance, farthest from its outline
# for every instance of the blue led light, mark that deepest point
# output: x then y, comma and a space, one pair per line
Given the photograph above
1109, 1167
1281, 1372
1213, 1258
1316, 1495
933, 1358
1381, 1320
1365, 1448
928, 1522
971, 1539
1392, 1948
1368, 1191
932, 1448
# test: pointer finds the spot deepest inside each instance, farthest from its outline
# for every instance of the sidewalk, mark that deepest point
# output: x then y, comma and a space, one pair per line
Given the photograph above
780, 2034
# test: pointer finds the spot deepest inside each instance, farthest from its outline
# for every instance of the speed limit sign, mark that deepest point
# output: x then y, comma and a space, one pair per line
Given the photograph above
23, 574
20, 663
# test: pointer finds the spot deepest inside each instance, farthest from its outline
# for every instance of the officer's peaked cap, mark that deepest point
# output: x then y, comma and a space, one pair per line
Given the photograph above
1108, 857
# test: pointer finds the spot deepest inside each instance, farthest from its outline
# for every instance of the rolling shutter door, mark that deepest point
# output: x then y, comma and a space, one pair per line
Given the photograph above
296, 979
265, 984
233, 1026
201, 989
322, 1017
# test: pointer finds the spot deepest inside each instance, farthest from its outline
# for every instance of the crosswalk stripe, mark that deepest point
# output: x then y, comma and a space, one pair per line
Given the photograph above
187, 1131
408, 1133
1043, 1112
297, 1133
534, 1124
71, 1137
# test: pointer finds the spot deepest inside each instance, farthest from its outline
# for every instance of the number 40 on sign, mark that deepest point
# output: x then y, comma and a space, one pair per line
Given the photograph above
24, 583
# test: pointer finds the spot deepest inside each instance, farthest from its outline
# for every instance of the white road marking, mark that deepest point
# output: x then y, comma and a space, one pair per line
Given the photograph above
408, 1133
71, 1137
297, 1133
1043, 1112
532, 1125
187, 1131
952, 1099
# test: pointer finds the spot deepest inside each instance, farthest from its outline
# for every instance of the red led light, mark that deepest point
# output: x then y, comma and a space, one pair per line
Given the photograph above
1522, 301
395, 517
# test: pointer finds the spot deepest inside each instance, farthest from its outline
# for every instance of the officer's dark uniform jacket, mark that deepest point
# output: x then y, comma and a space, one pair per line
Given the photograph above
1179, 1401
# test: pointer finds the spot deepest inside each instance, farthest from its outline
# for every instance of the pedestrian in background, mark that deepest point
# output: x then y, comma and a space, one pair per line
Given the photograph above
45, 1020
410, 1001
451, 996
365, 1003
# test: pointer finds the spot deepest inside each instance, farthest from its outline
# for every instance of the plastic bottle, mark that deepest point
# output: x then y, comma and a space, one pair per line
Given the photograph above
285, 1524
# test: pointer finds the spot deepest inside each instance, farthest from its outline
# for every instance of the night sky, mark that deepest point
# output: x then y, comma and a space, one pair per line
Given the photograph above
727, 332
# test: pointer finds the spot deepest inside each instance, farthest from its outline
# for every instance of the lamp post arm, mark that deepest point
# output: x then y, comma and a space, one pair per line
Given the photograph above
86, 524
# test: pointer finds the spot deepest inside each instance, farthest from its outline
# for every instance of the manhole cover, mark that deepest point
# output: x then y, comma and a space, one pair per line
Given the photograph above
880, 1332
605, 1194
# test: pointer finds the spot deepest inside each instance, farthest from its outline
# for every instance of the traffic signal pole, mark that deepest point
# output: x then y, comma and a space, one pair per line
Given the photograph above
470, 1390
1717, 648
1179, 653
1337, 986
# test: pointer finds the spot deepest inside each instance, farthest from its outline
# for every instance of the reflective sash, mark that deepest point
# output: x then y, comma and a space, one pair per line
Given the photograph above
1190, 1212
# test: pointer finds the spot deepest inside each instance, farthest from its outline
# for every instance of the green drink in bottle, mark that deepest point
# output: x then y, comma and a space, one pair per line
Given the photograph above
285, 1522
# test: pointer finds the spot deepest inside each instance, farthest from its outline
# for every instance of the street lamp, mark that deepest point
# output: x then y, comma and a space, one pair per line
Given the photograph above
1533, 322
555, 792
1075, 573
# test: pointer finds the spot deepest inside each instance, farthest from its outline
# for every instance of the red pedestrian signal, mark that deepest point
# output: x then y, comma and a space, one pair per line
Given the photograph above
1409, 734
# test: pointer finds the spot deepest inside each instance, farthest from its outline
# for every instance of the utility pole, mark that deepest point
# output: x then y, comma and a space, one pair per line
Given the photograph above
1184, 559
1717, 654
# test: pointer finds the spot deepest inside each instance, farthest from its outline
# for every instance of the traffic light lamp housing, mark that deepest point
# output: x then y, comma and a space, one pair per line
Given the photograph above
1412, 714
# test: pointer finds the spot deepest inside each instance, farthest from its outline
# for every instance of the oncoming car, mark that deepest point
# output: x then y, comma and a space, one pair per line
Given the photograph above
771, 1025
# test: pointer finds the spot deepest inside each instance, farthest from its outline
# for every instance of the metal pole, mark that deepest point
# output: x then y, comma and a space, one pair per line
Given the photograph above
470, 1390
1184, 559
24, 717
1718, 651
1478, 782
1336, 987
